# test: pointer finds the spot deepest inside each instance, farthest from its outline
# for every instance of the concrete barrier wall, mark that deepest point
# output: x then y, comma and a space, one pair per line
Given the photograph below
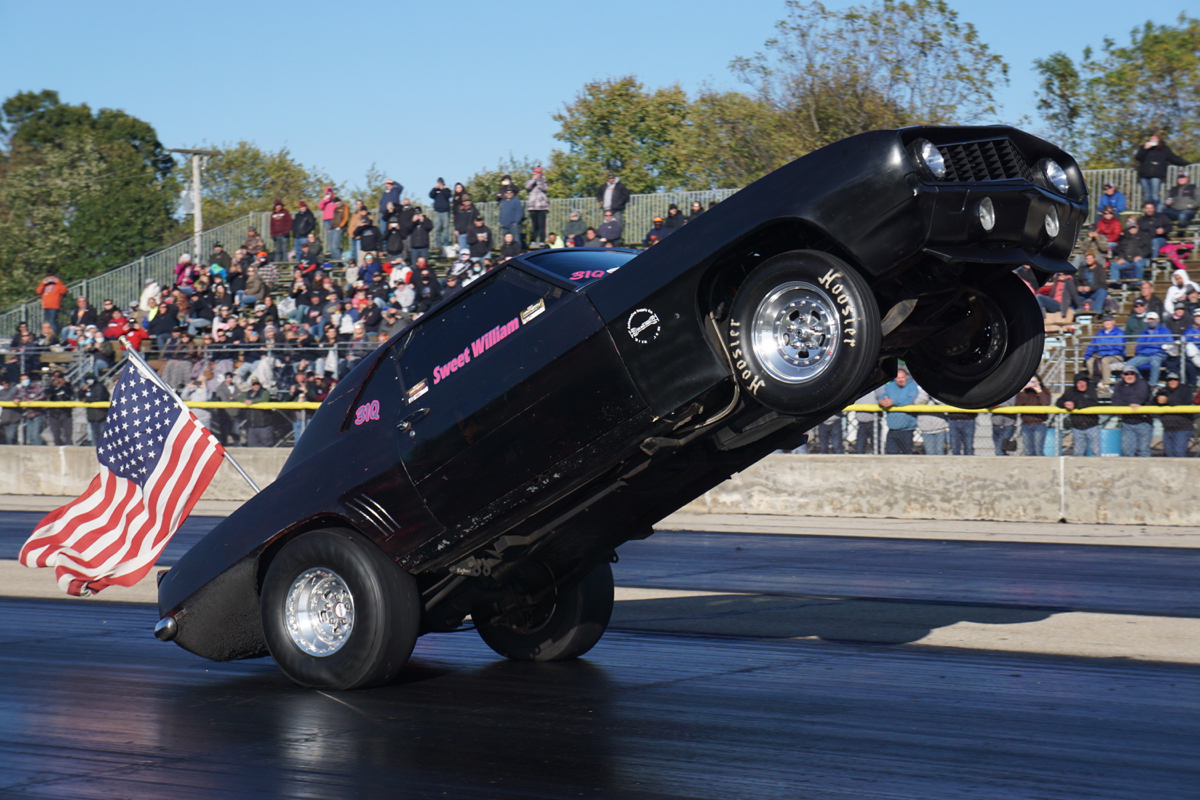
1122, 491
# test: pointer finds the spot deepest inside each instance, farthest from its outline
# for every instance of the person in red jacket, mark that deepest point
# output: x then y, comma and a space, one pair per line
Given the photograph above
281, 229
1109, 227
51, 290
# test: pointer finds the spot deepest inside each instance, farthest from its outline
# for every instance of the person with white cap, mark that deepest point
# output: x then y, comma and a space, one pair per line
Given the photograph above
1152, 346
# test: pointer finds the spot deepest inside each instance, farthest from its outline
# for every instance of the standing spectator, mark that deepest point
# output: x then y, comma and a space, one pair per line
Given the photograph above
613, 196
333, 212
1033, 426
1133, 392
962, 433
83, 314
479, 240
864, 441
197, 392
51, 291
302, 391
30, 389
933, 427
697, 210
303, 224
465, 215
281, 227
1110, 198
417, 234
367, 235
391, 194
1086, 427
1107, 349
829, 436
225, 419
674, 219
253, 242
538, 206
94, 391
506, 183
1150, 347
1003, 429
898, 392
1177, 428
1159, 226
441, 197
258, 421
1182, 201
10, 418
611, 229
512, 213
1153, 157
59, 418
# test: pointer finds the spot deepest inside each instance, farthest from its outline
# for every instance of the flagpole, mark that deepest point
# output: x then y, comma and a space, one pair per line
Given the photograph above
146, 369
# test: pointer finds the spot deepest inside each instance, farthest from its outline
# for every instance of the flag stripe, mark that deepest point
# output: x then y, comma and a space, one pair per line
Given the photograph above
156, 460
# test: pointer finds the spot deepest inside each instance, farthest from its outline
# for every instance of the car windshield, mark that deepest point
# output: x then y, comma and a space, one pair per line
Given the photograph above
580, 266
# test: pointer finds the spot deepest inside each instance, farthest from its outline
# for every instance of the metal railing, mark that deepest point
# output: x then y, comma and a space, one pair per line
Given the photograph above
125, 283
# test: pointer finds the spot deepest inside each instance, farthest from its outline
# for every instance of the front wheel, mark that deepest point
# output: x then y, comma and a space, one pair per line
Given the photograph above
989, 353
564, 624
338, 613
804, 333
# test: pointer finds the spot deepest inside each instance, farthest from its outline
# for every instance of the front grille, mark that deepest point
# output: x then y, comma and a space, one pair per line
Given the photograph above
988, 160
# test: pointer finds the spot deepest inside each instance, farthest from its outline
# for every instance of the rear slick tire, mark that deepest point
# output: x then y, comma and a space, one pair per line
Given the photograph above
565, 625
804, 333
338, 613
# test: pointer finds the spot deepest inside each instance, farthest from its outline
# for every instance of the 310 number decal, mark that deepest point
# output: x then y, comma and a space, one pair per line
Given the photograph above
587, 274
366, 412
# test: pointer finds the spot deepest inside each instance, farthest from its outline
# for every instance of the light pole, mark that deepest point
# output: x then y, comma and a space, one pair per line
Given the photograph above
197, 209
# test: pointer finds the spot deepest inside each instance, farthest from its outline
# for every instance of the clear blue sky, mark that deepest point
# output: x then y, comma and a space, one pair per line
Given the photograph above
429, 89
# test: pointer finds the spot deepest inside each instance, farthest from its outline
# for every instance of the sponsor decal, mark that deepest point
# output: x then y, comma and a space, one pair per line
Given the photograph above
533, 311
832, 280
476, 349
643, 326
367, 412
418, 390
752, 381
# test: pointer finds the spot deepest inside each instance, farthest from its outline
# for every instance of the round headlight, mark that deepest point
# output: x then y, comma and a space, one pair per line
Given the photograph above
1055, 175
932, 157
1052, 223
987, 214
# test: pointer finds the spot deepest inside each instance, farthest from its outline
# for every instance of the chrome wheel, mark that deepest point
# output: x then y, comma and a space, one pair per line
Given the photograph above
795, 332
319, 612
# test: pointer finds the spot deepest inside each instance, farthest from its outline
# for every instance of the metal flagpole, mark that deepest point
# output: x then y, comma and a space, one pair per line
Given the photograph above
154, 376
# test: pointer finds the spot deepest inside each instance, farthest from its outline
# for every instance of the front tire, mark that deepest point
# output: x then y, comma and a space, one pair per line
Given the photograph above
338, 613
804, 333
565, 625
991, 354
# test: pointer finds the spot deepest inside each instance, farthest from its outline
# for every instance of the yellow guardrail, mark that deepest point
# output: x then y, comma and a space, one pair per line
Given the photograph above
914, 409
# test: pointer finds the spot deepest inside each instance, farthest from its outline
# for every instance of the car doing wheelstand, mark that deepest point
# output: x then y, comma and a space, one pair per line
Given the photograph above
490, 458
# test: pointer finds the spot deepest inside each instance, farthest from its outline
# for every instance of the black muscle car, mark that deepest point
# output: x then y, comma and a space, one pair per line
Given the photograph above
490, 458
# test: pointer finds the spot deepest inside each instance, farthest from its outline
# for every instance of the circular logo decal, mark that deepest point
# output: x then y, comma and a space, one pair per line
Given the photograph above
643, 326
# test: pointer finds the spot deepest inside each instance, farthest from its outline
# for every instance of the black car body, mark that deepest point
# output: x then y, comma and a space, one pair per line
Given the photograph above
567, 401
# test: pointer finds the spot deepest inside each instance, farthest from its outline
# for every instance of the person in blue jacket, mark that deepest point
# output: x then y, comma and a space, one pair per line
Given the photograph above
512, 212
1110, 196
1150, 347
899, 392
1105, 352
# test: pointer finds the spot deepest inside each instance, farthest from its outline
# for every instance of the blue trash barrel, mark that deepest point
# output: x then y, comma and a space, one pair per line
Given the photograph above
1110, 441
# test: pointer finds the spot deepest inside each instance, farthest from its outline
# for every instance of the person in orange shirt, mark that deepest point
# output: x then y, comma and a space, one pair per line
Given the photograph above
51, 290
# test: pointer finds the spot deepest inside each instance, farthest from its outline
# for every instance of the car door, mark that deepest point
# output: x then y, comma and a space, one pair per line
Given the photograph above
501, 384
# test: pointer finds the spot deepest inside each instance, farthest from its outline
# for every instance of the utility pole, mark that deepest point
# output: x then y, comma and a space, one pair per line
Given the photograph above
197, 209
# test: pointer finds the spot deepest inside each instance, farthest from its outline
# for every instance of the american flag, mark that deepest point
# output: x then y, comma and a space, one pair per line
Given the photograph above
156, 460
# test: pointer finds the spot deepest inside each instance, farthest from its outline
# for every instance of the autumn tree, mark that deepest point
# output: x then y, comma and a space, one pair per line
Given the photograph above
246, 178
1104, 106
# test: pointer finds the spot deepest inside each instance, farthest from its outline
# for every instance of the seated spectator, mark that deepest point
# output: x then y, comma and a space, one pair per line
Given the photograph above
574, 229
1136, 429
674, 220
47, 337
1108, 227
83, 314
1181, 286
1033, 426
1132, 255
1150, 347
1085, 427
1135, 323
256, 289
553, 242
1094, 291
479, 240
510, 247
1061, 289
1112, 199
253, 242
1106, 351
1182, 201
1158, 224
658, 230
697, 210
1177, 428
591, 238
611, 229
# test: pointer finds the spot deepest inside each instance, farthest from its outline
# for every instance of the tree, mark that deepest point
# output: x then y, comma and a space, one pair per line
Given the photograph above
246, 178
835, 73
616, 125
1105, 106
80, 193
485, 184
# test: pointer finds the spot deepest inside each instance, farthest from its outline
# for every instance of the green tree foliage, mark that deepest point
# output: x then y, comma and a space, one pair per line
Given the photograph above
830, 73
484, 185
246, 178
618, 126
1106, 105
79, 193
